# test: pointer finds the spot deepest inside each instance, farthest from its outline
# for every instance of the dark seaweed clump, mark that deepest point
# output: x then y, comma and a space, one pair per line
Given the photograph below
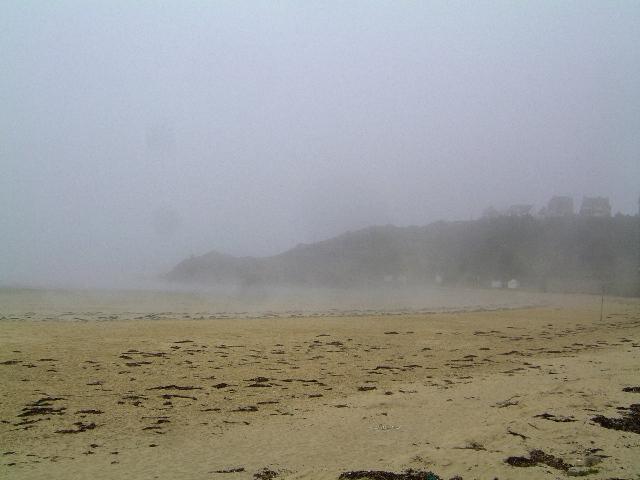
382, 475
539, 457
265, 474
629, 422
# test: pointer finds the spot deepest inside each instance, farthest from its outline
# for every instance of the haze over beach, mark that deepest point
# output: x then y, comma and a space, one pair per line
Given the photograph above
136, 135
320, 240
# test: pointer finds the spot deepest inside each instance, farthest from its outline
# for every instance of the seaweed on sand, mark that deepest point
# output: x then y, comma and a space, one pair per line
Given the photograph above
382, 475
539, 457
629, 422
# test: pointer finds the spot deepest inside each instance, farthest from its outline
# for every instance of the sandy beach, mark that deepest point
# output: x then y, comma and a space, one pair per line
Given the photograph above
98, 390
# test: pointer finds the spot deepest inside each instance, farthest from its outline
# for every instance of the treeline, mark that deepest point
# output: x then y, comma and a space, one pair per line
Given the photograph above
577, 254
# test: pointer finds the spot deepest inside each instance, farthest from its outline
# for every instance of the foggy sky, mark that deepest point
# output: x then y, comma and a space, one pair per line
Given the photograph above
133, 134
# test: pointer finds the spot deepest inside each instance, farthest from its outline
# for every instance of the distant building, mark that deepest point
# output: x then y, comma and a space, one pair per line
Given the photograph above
519, 210
496, 284
595, 207
559, 207
513, 283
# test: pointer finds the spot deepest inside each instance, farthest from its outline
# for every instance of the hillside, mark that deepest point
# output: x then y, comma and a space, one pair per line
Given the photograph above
556, 254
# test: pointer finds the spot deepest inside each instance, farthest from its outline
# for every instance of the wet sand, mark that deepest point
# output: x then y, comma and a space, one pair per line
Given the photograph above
116, 394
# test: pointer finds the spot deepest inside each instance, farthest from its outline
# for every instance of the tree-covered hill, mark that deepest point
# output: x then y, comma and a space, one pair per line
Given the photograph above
556, 254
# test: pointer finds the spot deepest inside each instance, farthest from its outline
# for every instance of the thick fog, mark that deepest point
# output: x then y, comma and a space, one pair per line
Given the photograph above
133, 134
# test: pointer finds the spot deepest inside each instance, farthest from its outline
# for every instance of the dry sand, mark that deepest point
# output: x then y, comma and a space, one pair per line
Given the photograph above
117, 394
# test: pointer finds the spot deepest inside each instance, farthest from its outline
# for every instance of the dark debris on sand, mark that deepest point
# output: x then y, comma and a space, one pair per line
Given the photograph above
30, 411
555, 418
230, 470
43, 406
250, 408
539, 457
265, 474
382, 475
175, 387
629, 422
80, 427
